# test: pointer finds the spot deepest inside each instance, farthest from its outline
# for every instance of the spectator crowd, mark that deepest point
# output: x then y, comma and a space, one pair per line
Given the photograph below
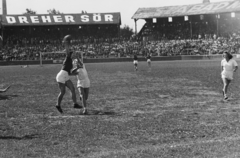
119, 47
96, 42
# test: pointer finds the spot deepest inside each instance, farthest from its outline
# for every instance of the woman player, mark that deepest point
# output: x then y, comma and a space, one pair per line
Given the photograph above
83, 83
228, 66
149, 60
63, 78
135, 62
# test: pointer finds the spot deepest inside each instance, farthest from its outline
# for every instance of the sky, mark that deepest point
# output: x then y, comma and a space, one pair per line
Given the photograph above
127, 8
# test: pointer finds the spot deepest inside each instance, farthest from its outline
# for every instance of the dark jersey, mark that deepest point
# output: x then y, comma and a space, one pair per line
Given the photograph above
148, 57
135, 57
67, 64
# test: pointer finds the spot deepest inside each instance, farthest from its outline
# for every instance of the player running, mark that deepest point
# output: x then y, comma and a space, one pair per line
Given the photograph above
228, 66
63, 78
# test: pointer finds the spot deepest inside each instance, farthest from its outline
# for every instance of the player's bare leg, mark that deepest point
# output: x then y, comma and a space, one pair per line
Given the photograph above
83, 93
226, 83
60, 96
70, 86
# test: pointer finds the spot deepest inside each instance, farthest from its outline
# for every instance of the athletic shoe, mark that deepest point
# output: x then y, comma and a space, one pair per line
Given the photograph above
59, 109
85, 112
226, 98
77, 106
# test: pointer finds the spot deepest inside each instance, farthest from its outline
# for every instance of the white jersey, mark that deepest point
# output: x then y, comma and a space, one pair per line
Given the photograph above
228, 68
83, 80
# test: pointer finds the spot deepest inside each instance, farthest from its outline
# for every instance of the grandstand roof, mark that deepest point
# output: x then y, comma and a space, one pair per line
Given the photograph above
61, 19
183, 10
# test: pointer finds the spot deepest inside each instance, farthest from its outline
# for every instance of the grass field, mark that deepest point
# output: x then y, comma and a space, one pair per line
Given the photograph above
173, 110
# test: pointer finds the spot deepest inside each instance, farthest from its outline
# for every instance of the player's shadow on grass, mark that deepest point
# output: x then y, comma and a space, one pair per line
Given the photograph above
25, 137
7, 97
101, 112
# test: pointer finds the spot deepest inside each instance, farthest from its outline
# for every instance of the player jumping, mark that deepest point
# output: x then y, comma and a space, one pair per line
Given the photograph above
63, 78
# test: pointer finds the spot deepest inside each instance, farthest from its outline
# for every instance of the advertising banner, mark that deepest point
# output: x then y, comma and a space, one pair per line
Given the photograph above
62, 19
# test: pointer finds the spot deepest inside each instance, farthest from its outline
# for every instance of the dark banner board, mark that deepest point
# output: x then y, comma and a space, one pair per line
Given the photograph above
61, 19
185, 10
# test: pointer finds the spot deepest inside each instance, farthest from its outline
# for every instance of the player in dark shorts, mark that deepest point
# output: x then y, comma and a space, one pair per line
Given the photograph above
63, 78
135, 62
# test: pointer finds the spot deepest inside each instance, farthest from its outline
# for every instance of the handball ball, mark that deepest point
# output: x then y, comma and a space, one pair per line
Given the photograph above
67, 38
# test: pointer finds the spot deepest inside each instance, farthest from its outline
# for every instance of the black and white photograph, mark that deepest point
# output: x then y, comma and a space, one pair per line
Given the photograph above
119, 79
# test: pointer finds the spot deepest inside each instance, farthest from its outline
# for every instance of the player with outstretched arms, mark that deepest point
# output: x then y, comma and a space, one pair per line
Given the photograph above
63, 77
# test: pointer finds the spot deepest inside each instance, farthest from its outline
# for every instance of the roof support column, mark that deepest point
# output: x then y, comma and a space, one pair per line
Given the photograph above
190, 22
217, 23
135, 20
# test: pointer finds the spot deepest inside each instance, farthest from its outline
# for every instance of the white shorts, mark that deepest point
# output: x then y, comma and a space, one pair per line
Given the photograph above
149, 60
62, 76
227, 75
83, 83
135, 62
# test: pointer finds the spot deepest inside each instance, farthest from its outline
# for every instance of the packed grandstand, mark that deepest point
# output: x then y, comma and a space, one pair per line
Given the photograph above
201, 29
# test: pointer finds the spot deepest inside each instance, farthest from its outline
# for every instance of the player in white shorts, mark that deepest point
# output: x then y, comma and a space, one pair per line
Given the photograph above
135, 62
83, 83
63, 78
229, 66
149, 60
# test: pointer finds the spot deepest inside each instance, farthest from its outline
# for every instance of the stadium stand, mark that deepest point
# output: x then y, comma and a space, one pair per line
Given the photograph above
201, 29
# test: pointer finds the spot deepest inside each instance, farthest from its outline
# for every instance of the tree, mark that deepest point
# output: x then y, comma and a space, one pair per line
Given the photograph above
30, 11
126, 32
53, 11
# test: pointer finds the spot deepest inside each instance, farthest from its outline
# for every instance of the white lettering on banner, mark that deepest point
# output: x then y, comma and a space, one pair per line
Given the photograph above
108, 17
57, 18
85, 18
23, 19
34, 19
11, 19
208, 7
69, 18
46, 19
234, 5
196, 8
96, 17
221, 6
